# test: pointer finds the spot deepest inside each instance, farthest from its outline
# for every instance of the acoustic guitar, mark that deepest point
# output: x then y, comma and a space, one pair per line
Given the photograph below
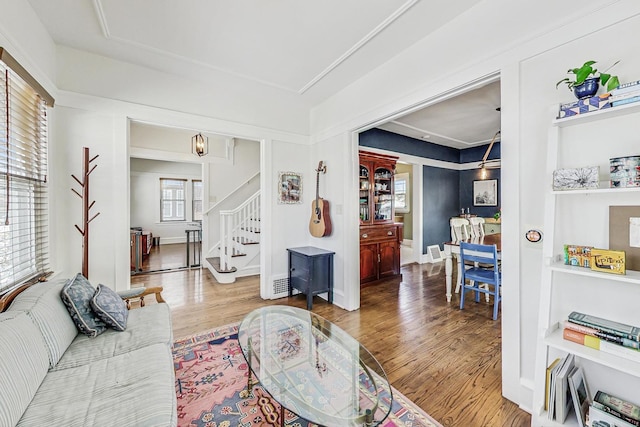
320, 223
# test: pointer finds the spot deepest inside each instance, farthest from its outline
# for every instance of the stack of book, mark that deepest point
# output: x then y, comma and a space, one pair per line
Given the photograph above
607, 410
558, 397
626, 93
604, 335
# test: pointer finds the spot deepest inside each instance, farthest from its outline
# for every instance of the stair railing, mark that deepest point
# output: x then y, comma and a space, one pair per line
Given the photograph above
237, 226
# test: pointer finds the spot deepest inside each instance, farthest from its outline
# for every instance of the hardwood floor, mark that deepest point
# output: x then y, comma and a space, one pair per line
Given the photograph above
446, 360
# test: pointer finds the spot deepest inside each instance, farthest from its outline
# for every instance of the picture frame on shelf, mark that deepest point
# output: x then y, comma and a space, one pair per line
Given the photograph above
485, 192
289, 188
576, 178
579, 395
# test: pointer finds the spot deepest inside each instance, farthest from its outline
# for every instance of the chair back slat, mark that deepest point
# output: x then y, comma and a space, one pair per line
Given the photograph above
473, 252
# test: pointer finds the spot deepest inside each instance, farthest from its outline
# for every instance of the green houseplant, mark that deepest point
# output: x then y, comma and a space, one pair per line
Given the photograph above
587, 75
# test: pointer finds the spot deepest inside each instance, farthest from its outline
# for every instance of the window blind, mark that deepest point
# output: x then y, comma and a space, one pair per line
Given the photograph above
23, 178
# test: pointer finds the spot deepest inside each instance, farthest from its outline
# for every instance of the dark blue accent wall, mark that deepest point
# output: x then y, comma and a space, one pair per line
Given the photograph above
446, 191
466, 192
384, 140
440, 202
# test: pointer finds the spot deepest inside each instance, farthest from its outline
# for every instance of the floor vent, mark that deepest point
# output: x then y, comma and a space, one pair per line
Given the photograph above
280, 285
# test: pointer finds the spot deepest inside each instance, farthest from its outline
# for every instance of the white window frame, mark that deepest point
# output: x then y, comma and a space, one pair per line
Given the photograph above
406, 206
197, 214
174, 201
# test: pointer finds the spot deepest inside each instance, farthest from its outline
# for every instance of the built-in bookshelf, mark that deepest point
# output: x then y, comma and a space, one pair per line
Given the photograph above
581, 217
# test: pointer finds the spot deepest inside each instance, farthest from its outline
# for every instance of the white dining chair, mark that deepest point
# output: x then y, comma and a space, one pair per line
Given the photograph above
476, 225
459, 229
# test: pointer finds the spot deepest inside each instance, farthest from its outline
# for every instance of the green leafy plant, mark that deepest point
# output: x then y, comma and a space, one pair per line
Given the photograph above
587, 71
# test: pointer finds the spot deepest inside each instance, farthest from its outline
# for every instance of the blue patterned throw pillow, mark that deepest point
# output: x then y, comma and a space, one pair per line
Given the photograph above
110, 307
76, 295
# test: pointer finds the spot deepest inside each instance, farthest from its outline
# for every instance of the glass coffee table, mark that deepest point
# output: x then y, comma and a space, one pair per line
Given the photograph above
313, 368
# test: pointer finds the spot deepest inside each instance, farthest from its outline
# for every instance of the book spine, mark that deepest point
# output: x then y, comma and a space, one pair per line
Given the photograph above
623, 417
626, 101
600, 334
580, 338
626, 410
607, 326
624, 95
618, 350
613, 417
629, 84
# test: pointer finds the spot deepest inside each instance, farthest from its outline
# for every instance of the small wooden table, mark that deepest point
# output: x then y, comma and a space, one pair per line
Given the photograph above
454, 248
311, 272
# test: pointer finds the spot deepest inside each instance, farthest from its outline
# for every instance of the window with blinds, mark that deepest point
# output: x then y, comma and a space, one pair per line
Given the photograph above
23, 176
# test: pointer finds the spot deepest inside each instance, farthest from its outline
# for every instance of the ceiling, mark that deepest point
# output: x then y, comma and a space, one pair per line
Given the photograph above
465, 121
312, 49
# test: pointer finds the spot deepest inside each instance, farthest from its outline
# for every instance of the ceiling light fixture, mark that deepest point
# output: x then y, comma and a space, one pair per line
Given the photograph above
483, 164
200, 145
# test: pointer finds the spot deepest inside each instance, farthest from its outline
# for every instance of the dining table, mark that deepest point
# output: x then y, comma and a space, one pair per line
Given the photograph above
453, 247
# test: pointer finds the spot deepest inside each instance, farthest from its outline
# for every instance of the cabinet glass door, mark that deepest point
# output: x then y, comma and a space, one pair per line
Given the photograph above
383, 194
365, 202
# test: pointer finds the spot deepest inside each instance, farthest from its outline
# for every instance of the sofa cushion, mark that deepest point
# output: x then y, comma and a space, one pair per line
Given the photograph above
76, 295
43, 304
24, 363
132, 389
146, 326
110, 308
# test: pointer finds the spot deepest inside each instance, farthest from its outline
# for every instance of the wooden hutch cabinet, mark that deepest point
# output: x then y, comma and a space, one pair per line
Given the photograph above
380, 237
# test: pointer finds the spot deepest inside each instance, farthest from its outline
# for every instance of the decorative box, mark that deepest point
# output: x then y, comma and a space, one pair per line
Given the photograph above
625, 171
576, 178
581, 106
607, 261
579, 256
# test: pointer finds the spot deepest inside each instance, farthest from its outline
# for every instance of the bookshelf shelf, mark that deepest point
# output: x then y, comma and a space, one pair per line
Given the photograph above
631, 276
593, 116
597, 191
555, 340
571, 420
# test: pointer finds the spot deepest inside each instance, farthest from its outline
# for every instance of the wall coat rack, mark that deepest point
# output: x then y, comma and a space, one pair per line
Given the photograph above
86, 206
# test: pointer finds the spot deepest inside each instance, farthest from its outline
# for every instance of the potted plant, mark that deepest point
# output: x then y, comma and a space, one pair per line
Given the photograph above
587, 80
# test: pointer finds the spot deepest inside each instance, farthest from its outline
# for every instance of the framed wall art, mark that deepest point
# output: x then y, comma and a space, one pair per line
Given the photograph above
485, 193
289, 187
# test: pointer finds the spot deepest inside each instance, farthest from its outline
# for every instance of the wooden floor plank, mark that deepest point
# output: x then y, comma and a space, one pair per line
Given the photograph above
446, 360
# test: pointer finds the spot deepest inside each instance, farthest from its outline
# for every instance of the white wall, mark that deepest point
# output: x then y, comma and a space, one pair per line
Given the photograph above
70, 130
283, 225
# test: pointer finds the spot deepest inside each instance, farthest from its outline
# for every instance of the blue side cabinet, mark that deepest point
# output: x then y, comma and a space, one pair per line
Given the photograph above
311, 272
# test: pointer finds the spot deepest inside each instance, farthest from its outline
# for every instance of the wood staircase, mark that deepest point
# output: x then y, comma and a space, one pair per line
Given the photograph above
239, 240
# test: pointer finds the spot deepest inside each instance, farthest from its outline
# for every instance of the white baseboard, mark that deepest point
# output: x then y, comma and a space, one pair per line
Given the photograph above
249, 270
172, 240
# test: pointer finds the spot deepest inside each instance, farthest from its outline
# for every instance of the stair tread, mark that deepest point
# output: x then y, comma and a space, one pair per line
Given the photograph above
215, 263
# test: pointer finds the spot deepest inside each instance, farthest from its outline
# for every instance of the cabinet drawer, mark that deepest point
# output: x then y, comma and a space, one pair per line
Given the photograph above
378, 233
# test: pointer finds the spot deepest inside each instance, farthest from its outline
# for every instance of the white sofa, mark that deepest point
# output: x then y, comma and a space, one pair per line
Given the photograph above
52, 375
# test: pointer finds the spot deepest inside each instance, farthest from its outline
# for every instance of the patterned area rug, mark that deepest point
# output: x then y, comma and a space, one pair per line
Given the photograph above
211, 382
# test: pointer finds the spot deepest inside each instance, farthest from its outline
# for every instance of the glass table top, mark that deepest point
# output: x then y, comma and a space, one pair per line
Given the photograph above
313, 368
